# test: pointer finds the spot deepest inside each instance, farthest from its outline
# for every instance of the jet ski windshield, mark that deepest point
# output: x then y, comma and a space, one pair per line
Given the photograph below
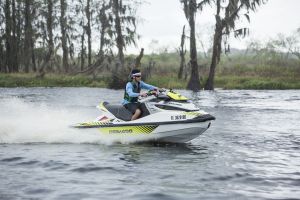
168, 96
162, 96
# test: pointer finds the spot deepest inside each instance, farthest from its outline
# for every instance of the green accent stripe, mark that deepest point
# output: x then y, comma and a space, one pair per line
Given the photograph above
92, 124
201, 118
128, 129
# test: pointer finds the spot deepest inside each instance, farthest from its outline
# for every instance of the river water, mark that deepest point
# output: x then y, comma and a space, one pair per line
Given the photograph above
251, 151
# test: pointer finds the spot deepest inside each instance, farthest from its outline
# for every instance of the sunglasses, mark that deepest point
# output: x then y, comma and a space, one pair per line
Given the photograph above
137, 76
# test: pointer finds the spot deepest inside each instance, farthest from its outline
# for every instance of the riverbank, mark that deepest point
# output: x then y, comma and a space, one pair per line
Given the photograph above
49, 80
225, 82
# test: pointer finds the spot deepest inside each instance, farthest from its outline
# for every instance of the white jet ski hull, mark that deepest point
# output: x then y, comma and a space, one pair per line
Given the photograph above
164, 119
178, 133
169, 133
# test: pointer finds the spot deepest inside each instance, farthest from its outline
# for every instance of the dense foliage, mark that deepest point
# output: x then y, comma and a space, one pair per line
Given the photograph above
64, 36
82, 42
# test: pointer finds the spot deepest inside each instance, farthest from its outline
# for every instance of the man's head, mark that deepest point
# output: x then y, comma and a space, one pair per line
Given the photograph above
136, 74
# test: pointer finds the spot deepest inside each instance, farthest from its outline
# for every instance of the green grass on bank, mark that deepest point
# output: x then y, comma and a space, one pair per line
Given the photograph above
166, 81
257, 83
233, 82
50, 80
170, 81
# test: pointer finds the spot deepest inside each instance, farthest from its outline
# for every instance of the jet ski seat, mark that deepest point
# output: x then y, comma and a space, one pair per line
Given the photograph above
119, 111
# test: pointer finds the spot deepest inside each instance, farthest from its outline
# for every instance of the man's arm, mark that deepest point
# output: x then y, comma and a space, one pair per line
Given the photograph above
129, 90
147, 86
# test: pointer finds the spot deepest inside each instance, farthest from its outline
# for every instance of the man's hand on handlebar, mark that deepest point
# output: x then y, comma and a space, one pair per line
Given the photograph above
152, 92
143, 94
161, 90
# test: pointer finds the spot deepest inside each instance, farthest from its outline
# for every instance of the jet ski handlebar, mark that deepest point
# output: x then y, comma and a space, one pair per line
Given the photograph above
162, 90
156, 92
152, 92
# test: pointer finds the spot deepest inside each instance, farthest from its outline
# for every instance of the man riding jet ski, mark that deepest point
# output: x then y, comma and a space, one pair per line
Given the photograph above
164, 116
133, 91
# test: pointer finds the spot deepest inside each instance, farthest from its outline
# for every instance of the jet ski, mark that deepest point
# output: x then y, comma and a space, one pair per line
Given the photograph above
166, 117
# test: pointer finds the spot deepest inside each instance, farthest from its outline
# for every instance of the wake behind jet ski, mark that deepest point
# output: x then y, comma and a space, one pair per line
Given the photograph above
166, 117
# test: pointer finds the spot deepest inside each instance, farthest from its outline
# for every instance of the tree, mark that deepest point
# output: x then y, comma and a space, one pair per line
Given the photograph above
103, 26
116, 9
8, 37
2, 39
28, 34
290, 43
63, 29
138, 59
19, 30
82, 53
190, 8
123, 18
224, 26
18, 34
85, 10
82, 10
48, 25
31, 34
182, 52
89, 30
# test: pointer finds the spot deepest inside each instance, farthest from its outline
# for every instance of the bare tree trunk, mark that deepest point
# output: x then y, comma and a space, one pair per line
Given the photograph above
103, 21
120, 41
89, 32
15, 59
28, 35
148, 70
194, 82
117, 82
138, 59
182, 52
2, 61
82, 54
63, 26
34, 68
19, 33
8, 39
217, 48
188, 67
50, 32
104, 25
50, 51
209, 85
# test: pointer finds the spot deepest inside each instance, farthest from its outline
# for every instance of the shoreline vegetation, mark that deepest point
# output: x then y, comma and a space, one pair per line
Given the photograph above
235, 71
169, 81
50, 44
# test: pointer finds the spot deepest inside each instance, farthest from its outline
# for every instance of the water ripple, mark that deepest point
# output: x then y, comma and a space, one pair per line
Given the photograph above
154, 195
26, 163
92, 169
12, 159
250, 152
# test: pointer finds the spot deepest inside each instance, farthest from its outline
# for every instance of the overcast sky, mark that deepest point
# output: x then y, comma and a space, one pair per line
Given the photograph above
163, 21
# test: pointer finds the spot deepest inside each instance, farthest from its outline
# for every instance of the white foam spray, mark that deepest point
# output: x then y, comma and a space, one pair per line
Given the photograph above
27, 122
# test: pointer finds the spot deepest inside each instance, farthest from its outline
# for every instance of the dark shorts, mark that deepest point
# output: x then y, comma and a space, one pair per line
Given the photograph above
132, 107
